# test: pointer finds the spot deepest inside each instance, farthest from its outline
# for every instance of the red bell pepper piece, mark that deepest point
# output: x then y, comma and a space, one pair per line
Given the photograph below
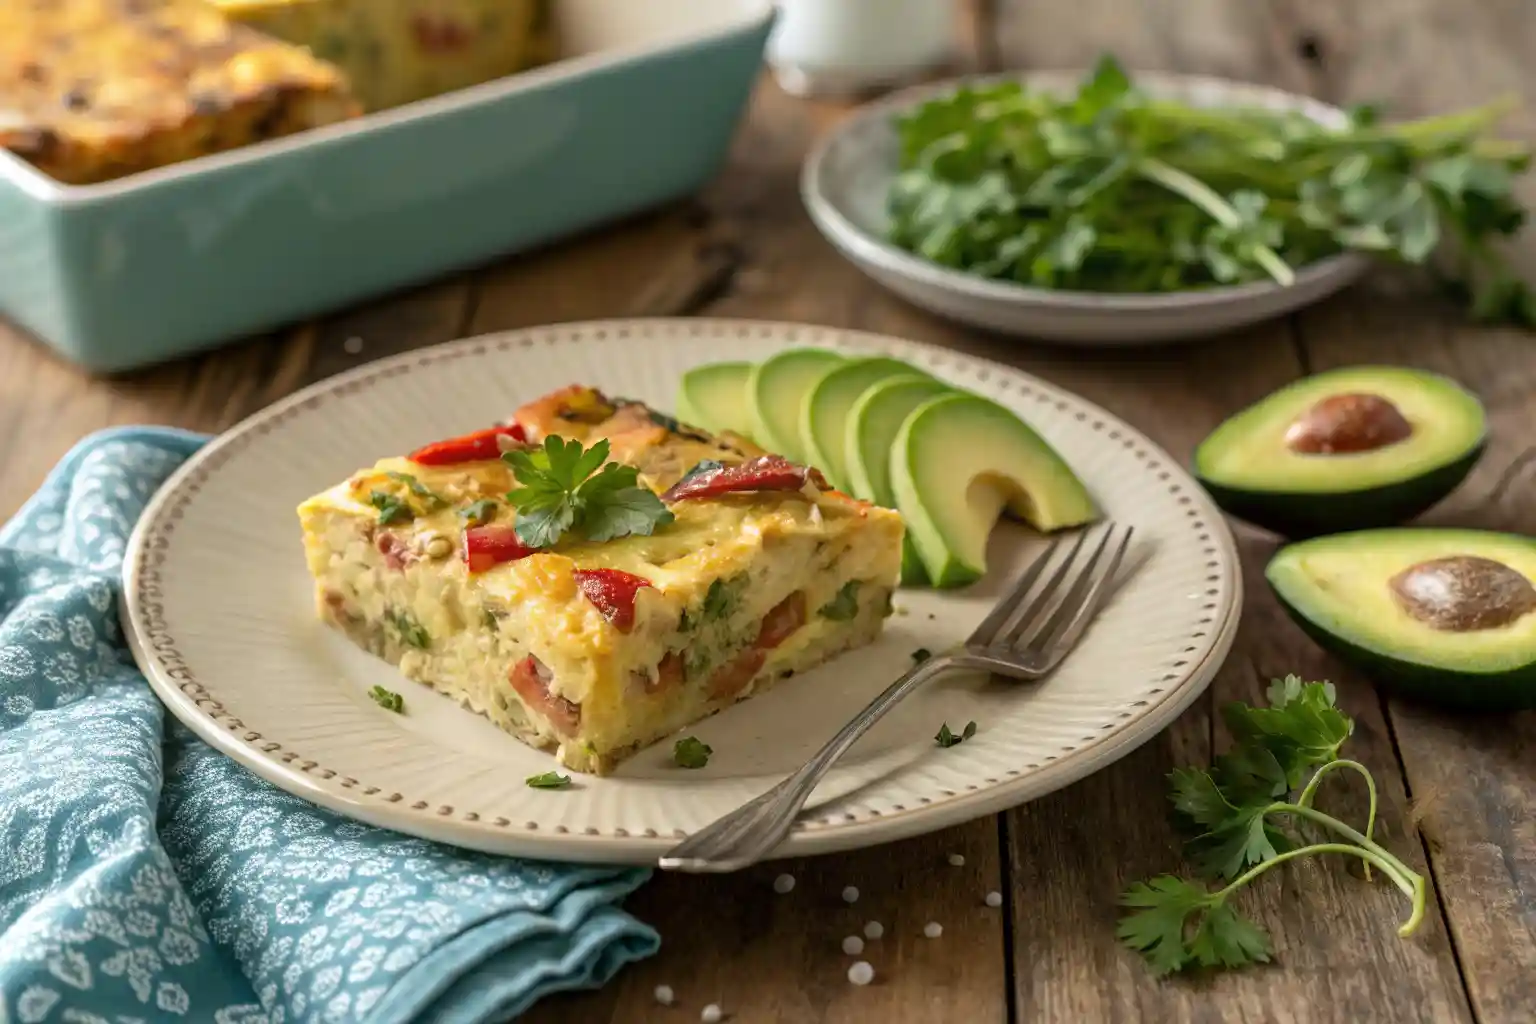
486, 547
765, 473
531, 679
781, 621
613, 592
476, 447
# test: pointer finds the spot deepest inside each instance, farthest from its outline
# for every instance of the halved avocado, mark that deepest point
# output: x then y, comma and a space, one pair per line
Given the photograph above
1445, 616
869, 435
824, 413
957, 463
1349, 449
775, 392
714, 396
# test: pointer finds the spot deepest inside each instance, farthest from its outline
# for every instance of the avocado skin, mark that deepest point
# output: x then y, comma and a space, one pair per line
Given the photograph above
1511, 690
1298, 516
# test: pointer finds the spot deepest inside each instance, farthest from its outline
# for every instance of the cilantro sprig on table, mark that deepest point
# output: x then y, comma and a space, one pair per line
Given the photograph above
1109, 189
566, 488
1241, 821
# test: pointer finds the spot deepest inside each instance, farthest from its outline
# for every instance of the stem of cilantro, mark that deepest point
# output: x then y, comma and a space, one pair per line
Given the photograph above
1413, 886
1310, 791
1209, 200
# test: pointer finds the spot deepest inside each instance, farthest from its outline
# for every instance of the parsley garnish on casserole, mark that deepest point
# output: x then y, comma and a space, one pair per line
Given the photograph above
594, 577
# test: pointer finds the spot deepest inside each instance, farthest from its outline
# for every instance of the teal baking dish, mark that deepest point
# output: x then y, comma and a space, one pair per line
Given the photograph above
132, 272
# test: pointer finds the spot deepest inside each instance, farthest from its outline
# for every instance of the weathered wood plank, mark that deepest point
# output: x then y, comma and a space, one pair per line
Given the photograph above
1468, 774
777, 959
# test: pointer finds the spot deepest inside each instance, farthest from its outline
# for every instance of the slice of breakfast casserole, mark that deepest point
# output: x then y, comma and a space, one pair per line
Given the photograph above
593, 575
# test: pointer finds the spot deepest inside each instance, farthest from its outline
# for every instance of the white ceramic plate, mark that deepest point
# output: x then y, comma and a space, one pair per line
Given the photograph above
847, 178
220, 610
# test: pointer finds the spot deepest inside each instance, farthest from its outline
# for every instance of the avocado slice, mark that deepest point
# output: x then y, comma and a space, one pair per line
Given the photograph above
870, 432
824, 413
957, 463
776, 391
1444, 616
1349, 449
714, 396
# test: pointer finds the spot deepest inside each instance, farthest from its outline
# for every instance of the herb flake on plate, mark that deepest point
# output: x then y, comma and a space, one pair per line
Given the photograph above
389, 700
548, 780
947, 739
691, 752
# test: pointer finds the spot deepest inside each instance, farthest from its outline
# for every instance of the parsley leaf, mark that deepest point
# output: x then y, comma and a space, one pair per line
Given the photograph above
1176, 924
691, 752
845, 605
410, 631
947, 739
392, 508
549, 780
565, 488
387, 699
479, 513
430, 500
720, 598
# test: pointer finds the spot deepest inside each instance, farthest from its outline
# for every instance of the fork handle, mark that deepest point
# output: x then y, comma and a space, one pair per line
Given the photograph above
753, 830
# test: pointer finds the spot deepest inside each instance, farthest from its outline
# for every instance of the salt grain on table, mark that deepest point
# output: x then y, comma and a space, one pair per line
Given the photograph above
851, 894
994, 898
957, 860
664, 995
933, 929
874, 930
711, 1014
783, 884
853, 945
861, 973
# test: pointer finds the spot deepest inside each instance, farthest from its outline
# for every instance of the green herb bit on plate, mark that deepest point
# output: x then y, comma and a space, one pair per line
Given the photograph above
1110, 189
1242, 821
691, 752
549, 780
389, 700
947, 739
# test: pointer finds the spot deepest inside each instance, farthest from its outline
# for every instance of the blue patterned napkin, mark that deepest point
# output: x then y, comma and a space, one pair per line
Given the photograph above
144, 877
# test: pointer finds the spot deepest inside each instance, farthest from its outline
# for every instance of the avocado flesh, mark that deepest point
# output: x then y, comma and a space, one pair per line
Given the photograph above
1339, 589
824, 413
714, 396
871, 430
957, 464
1252, 473
775, 393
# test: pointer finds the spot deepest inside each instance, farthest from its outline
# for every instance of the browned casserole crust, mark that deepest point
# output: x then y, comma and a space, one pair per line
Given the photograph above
92, 90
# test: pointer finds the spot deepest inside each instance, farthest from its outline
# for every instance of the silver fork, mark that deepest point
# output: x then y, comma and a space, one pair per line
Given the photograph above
1024, 637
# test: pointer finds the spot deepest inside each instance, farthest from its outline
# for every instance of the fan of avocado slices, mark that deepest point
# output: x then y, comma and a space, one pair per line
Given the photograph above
1347, 449
949, 461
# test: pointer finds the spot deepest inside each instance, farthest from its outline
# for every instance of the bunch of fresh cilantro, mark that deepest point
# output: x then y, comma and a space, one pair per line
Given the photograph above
1111, 190
567, 488
1241, 821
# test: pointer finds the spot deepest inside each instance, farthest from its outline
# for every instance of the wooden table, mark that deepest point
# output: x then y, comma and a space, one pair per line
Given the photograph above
1459, 793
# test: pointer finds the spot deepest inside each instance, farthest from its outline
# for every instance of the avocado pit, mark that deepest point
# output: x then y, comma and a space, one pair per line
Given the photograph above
1346, 424
1463, 593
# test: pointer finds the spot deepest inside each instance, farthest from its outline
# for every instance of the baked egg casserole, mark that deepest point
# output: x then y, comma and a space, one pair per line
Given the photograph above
738, 569
92, 90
